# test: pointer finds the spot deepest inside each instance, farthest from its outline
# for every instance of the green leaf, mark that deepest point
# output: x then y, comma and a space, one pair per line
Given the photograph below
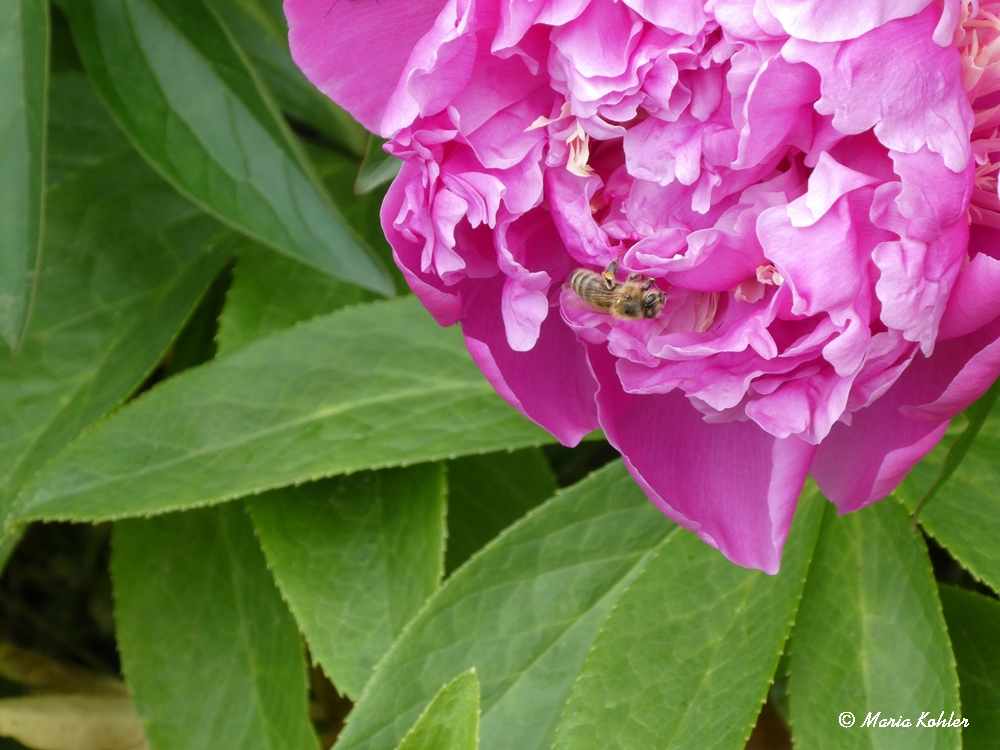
62, 51
195, 344
378, 167
451, 721
180, 87
261, 30
355, 558
126, 260
523, 613
272, 292
964, 515
870, 637
688, 654
486, 494
370, 387
974, 627
81, 135
210, 652
976, 416
24, 61
338, 173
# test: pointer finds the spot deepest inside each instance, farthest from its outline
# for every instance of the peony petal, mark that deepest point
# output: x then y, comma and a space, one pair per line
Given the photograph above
915, 280
438, 68
733, 484
551, 384
951, 16
778, 111
860, 85
569, 197
975, 299
662, 152
822, 263
932, 195
407, 250
829, 181
859, 464
825, 21
806, 406
977, 374
600, 41
857, 469
524, 302
684, 16
713, 261
738, 19
375, 39
517, 17
497, 125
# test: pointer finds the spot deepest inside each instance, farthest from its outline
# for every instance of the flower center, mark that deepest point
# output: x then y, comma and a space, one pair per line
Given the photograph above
978, 42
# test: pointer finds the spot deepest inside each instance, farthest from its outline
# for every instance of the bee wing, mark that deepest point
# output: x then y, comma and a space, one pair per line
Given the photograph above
597, 300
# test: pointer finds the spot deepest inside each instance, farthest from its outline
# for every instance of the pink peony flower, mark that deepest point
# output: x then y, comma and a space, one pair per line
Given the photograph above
797, 176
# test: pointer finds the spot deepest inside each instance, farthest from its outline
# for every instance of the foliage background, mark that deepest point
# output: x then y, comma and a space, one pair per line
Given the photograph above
227, 458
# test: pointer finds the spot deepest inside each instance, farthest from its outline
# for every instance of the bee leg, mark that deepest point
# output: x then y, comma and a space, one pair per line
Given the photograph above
650, 282
642, 277
610, 275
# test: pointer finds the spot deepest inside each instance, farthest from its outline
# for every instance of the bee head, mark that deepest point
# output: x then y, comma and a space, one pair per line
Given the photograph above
652, 303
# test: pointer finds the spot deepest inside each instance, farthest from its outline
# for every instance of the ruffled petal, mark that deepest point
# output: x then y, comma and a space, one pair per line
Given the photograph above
683, 16
822, 262
975, 299
778, 111
440, 65
860, 464
915, 281
376, 39
518, 16
551, 384
408, 248
733, 484
825, 21
860, 85
978, 357
569, 196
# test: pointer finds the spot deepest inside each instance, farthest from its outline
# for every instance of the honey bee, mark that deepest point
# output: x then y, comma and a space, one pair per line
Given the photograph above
634, 299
